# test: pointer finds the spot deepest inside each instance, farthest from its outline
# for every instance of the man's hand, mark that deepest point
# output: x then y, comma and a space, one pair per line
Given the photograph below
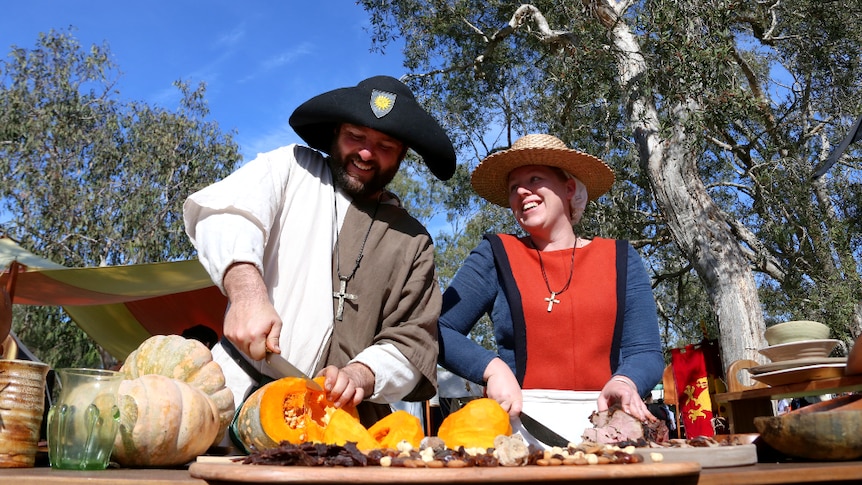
350, 384
502, 386
251, 322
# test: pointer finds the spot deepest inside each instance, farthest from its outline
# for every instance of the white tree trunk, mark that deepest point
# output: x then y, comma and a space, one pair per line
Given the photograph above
701, 231
698, 226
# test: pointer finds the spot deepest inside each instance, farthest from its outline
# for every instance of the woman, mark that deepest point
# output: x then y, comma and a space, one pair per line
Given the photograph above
574, 318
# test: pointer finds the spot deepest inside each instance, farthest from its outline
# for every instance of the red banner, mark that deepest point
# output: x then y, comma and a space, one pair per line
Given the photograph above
692, 384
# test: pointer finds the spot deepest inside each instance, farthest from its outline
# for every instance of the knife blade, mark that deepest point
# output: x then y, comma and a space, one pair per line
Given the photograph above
541, 432
284, 367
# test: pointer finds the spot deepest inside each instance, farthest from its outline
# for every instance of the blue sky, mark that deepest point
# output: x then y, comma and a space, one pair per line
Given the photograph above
259, 58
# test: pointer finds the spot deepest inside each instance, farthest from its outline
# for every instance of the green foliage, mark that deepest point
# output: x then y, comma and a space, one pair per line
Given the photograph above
92, 180
50, 335
774, 87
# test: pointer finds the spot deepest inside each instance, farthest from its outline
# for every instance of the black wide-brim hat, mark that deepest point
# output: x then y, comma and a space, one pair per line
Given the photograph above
382, 103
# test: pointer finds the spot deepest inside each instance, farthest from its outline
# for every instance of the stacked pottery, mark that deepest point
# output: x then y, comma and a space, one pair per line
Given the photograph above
799, 351
825, 431
22, 404
22, 397
796, 331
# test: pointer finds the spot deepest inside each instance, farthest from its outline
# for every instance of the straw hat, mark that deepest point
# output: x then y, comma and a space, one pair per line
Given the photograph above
384, 104
490, 179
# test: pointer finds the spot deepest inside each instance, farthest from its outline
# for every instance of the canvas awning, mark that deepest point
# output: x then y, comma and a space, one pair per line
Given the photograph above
118, 306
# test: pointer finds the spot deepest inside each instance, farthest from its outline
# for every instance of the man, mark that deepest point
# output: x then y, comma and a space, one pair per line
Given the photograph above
319, 262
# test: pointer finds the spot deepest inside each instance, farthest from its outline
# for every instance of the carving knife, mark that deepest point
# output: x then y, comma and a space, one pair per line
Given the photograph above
542, 433
284, 367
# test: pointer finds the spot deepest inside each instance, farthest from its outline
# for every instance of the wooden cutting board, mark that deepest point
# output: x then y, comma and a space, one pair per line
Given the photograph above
215, 471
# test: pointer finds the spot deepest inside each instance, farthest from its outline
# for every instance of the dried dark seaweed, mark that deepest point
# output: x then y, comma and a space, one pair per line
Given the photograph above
309, 454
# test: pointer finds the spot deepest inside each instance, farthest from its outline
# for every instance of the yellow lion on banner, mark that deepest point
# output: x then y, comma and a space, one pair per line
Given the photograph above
698, 401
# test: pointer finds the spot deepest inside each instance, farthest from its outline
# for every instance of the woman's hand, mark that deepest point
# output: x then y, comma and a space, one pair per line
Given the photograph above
502, 386
622, 390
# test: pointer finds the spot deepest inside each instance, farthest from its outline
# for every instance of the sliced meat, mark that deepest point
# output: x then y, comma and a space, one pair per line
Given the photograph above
615, 426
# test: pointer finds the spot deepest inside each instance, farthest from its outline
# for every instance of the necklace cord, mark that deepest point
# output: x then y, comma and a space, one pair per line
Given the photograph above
361, 248
545, 275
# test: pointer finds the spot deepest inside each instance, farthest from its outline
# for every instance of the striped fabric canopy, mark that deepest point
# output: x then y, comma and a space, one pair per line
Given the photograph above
117, 306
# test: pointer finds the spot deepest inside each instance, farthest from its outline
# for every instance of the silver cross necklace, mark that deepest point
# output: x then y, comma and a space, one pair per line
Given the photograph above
342, 293
552, 299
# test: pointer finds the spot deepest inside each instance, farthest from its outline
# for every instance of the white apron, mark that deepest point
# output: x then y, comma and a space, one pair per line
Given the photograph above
565, 412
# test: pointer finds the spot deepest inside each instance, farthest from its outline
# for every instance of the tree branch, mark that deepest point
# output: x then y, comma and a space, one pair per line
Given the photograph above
519, 19
755, 251
670, 275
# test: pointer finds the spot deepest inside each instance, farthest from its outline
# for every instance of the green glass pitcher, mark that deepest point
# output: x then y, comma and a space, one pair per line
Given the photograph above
83, 421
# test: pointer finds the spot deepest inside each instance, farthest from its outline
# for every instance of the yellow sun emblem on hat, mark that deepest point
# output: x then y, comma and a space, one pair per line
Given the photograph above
382, 102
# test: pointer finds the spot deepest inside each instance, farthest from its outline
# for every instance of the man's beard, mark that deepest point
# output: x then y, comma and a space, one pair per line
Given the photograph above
350, 185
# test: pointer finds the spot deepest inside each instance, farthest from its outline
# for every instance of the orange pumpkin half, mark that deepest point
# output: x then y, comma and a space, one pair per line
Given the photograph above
397, 427
285, 410
343, 427
475, 425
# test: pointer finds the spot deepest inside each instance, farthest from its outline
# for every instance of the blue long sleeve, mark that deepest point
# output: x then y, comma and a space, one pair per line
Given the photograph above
472, 293
640, 349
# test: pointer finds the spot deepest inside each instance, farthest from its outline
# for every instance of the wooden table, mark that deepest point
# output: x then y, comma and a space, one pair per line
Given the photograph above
45, 476
784, 473
744, 406
761, 473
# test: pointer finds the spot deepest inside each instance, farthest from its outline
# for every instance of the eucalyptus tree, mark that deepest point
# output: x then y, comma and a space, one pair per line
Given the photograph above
92, 180
714, 115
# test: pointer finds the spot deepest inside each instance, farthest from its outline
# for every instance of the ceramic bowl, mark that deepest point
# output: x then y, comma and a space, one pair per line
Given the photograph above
795, 331
807, 349
829, 431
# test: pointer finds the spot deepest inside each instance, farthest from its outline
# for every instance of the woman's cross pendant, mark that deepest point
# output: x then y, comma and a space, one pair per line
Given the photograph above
551, 300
